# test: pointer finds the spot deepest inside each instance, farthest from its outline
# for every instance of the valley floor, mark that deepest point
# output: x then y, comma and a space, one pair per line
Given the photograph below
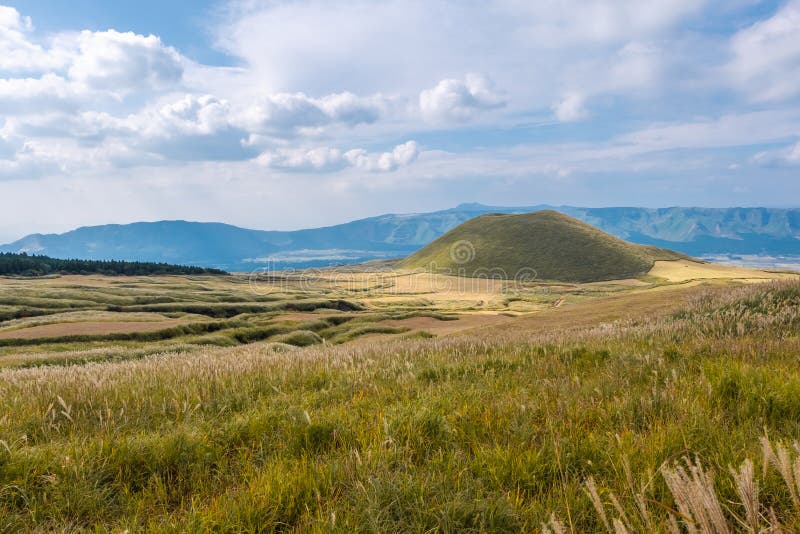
397, 401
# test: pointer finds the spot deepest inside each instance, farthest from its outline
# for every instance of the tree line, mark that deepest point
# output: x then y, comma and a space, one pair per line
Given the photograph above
33, 265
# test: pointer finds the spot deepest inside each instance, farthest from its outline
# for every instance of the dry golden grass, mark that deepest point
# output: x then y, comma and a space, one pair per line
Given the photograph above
685, 270
85, 316
92, 328
463, 322
489, 429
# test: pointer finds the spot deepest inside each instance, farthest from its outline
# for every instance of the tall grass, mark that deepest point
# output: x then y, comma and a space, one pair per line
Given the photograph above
699, 505
626, 427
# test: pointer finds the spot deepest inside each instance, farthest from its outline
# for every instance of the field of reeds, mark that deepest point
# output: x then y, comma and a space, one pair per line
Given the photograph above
622, 416
81, 319
72, 319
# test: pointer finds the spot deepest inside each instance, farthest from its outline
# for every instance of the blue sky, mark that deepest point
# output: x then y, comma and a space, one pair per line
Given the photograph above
297, 113
186, 25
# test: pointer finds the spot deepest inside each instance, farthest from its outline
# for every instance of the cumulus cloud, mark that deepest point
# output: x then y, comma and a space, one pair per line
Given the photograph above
20, 161
124, 62
50, 92
190, 115
210, 127
400, 156
321, 159
290, 112
17, 52
76, 67
192, 127
11, 20
324, 159
113, 92
363, 73
459, 100
766, 56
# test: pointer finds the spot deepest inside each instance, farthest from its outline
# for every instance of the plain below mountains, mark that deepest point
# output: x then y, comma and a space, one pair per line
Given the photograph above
694, 231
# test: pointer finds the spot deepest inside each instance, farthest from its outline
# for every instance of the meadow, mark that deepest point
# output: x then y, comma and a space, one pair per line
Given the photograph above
664, 404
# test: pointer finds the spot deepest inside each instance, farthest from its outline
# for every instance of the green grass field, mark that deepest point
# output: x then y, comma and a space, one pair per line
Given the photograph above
595, 402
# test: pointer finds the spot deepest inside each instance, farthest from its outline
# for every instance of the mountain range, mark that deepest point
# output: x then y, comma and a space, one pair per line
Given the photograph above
693, 231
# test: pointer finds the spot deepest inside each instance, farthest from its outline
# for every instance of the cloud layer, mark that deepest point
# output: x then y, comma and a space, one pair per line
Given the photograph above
423, 102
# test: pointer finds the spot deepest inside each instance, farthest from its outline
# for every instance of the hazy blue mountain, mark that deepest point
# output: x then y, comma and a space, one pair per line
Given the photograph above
695, 231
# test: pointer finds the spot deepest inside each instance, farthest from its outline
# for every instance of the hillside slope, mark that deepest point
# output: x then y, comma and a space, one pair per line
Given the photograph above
554, 245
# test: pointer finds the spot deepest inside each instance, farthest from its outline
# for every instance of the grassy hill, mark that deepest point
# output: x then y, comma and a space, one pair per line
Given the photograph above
554, 245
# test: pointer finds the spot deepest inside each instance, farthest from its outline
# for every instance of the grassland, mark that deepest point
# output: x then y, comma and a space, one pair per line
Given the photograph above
398, 402
546, 244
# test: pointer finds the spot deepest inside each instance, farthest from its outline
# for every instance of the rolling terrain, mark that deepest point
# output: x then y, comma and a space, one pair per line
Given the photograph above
387, 401
625, 389
693, 231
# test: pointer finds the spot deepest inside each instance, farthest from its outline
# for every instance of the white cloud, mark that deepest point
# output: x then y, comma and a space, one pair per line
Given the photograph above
190, 115
781, 157
9, 146
565, 23
400, 46
17, 52
79, 66
794, 154
731, 130
19, 160
11, 20
184, 127
36, 95
571, 108
324, 159
400, 156
290, 112
101, 113
124, 62
459, 100
766, 60
194, 127
630, 70
635, 65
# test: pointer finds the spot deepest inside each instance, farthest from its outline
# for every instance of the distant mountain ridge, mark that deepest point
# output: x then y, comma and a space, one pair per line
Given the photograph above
694, 231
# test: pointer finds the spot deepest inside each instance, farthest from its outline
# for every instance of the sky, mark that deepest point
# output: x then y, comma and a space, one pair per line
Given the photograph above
283, 114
